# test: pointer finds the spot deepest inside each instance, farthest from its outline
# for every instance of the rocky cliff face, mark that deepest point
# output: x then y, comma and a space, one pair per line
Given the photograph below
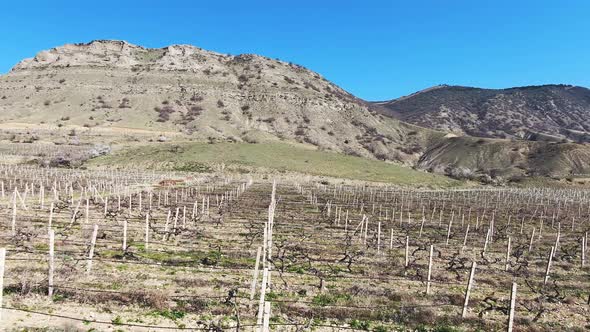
201, 94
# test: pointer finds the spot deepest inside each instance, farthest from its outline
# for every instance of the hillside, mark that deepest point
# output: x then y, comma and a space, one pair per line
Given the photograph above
199, 94
129, 97
547, 112
498, 160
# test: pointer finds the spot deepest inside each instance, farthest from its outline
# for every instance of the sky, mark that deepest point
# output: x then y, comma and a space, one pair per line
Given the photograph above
377, 50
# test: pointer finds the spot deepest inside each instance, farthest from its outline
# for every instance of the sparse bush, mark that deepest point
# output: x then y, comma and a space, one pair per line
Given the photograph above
243, 78
196, 98
164, 113
124, 103
250, 139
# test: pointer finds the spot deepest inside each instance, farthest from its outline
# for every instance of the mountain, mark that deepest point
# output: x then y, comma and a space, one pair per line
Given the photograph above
546, 112
126, 95
116, 86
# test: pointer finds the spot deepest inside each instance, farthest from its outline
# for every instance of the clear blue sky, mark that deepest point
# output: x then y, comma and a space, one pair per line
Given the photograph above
375, 49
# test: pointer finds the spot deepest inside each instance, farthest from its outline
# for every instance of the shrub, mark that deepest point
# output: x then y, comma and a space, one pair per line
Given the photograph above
196, 98
220, 104
124, 103
249, 139
164, 113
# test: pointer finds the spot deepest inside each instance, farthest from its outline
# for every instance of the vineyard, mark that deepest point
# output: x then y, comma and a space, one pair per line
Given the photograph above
107, 250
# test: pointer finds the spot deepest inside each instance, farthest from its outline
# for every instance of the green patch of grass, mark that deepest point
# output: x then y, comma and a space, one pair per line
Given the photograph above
329, 299
270, 155
170, 314
58, 297
193, 167
117, 320
360, 324
41, 247
296, 269
122, 267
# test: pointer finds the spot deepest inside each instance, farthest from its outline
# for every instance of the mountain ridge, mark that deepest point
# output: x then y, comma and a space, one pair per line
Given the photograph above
549, 111
192, 94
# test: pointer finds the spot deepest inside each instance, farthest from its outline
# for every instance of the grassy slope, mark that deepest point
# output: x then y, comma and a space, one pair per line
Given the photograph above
274, 156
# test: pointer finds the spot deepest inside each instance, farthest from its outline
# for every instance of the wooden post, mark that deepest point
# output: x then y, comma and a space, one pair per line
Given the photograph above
449, 229
13, 225
429, 269
261, 302
465, 238
583, 250
167, 221
124, 235
91, 251
50, 217
485, 244
468, 291
421, 225
507, 255
378, 237
2, 261
407, 261
51, 262
266, 324
255, 274
548, 265
512, 306
87, 210
557, 239
532, 238
147, 231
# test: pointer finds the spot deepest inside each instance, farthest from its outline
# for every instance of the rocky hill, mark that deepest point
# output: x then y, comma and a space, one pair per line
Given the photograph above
547, 112
201, 94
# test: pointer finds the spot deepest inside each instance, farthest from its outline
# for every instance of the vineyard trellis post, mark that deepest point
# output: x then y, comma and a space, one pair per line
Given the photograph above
512, 307
429, 269
51, 263
91, 250
2, 265
468, 290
